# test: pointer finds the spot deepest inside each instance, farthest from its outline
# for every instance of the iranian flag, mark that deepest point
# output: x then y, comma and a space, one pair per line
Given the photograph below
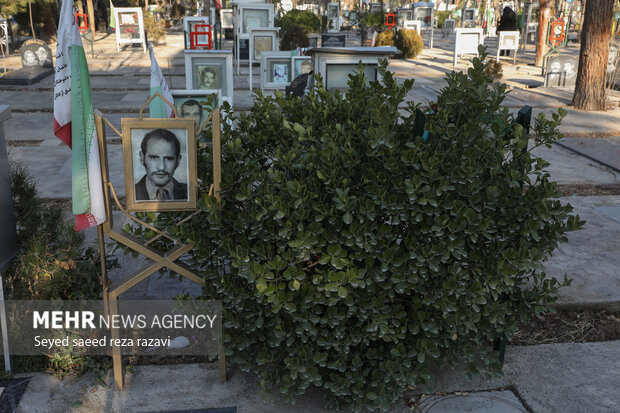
74, 122
158, 108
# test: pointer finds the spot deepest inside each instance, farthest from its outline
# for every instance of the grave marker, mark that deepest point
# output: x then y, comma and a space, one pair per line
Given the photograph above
333, 40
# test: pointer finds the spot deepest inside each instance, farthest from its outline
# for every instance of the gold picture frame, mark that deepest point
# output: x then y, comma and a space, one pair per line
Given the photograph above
164, 178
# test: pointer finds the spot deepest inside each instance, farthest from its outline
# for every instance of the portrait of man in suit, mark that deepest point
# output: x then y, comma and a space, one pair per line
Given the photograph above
160, 155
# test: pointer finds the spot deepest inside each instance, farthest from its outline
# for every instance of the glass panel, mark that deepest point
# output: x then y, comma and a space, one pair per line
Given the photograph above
279, 71
337, 74
262, 44
209, 73
254, 18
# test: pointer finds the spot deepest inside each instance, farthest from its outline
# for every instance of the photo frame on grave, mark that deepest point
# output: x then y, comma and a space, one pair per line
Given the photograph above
403, 15
189, 26
197, 105
332, 11
254, 16
301, 65
276, 70
413, 25
448, 26
159, 158
129, 26
210, 69
424, 14
508, 40
467, 42
337, 74
263, 40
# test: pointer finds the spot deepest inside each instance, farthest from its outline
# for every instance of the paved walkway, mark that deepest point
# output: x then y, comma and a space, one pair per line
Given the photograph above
573, 377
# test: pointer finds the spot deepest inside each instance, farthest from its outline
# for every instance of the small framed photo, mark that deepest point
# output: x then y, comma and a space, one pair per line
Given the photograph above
302, 65
333, 10
197, 105
159, 157
263, 40
210, 70
255, 15
129, 26
276, 70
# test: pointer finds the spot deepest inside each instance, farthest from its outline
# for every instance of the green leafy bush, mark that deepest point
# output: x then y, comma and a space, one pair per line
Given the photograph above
385, 38
52, 263
305, 19
155, 30
293, 37
409, 43
353, 256
373, 19
441, 18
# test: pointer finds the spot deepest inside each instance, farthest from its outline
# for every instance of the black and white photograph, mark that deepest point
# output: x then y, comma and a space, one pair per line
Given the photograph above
160, 164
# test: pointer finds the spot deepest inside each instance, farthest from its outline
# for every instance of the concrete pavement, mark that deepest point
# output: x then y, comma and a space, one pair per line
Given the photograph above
549, 378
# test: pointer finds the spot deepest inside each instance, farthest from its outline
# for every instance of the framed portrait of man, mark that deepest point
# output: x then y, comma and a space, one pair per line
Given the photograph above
208, 70
159, 157
209, 76
197, 105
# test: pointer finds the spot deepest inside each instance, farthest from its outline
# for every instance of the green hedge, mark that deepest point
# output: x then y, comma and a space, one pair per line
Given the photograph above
352, 256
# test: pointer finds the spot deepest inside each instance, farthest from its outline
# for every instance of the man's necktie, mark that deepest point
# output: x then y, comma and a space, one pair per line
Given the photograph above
162, 195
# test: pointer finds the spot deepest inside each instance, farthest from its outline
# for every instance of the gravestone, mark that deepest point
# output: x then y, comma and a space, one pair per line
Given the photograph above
333, 40
561, 71
314, 41
36, 53
8, 238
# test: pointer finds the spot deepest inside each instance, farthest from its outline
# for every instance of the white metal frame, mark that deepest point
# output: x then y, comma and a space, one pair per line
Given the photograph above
261, 32
135, 10
186, 31
320, 66
217, 57
239, 9
462, 46
265, 59
336, 19
514, 45
413, 25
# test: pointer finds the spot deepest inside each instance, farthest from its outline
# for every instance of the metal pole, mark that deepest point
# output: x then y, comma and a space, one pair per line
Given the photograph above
5, 330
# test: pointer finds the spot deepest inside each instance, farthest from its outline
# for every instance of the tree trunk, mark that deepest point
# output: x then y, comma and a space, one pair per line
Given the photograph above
543, 22
50, 24
593, 56
91, 16
34, 36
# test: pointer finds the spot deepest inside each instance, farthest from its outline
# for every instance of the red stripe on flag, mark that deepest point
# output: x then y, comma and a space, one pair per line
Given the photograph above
63, 132
84, 221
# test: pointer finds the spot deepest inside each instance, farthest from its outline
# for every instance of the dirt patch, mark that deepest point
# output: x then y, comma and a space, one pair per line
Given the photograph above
588, 190
23, 143
569, 327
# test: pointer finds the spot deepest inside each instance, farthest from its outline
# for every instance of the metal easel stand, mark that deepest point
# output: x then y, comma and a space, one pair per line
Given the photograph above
167, 259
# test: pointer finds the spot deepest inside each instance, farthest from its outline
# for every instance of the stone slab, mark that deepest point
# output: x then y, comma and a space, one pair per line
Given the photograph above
215, 410
590, 257
26, 76
550, 378
611, 212
479, 402
599, 149
568, 167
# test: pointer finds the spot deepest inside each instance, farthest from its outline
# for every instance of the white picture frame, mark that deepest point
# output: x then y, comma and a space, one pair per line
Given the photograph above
508, 40
262, 39
200, 63
467, 42
127, 21
188, 24
276, 70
